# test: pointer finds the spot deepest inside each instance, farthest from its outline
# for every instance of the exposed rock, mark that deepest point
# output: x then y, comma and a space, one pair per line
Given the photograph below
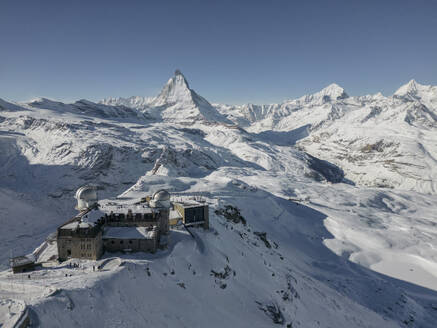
222, 274
231, 213
263, 237
273, 311
323, 170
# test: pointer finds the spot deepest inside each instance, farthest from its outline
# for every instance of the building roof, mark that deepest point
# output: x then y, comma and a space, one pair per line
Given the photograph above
77, 224
22, 260
124, 208
93, 215
128, 233
189, 204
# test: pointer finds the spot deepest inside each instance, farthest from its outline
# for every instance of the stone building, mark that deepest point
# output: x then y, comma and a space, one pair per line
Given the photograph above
113, 226
80, 240
131, 239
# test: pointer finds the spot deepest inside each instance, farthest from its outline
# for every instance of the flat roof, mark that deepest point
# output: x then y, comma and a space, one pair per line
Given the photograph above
22, 260
76, 224
188, 204
124, 208
128, 233
93, 215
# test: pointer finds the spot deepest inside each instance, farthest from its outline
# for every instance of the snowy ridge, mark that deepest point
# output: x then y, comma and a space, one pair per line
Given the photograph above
332, 92
88, 108
7, 106
343, 130
136, 102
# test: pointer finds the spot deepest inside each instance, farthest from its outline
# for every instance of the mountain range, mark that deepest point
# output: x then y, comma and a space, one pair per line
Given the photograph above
337, 193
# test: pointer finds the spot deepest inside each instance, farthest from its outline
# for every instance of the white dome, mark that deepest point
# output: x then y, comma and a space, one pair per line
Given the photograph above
86, 197
160, 199
161, 195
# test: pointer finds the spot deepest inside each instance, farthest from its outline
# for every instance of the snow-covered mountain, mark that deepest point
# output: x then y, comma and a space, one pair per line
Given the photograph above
176, 102
395, 136
136, 102
426, 94
324, 242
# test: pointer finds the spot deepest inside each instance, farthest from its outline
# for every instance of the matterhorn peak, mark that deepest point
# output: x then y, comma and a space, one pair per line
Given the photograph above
179, 77
176, 90
178, 102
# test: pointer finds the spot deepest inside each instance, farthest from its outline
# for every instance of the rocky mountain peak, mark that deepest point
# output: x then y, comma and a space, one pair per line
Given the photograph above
330, 93
408, 89
176, 90
334, 92
413, 91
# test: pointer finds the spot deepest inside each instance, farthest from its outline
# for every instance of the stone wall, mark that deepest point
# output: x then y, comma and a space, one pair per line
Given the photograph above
133, 245
80, 247
131, 223
163, 221
89, 244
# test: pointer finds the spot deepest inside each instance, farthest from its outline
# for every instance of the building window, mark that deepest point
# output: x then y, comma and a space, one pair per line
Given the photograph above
130, 241
121, 241
112, 242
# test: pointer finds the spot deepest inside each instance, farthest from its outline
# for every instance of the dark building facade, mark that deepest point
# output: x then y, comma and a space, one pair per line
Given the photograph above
193, 213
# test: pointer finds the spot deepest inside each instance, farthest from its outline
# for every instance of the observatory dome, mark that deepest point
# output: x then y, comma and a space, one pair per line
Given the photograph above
161, 195
86, 197
160, 199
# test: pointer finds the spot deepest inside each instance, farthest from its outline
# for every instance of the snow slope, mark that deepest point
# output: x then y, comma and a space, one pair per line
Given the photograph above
320, 244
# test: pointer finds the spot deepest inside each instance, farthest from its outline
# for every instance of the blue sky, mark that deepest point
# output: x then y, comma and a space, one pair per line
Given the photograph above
230, 51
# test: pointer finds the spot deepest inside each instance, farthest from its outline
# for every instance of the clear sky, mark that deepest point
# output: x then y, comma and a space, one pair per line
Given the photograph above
230, 51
